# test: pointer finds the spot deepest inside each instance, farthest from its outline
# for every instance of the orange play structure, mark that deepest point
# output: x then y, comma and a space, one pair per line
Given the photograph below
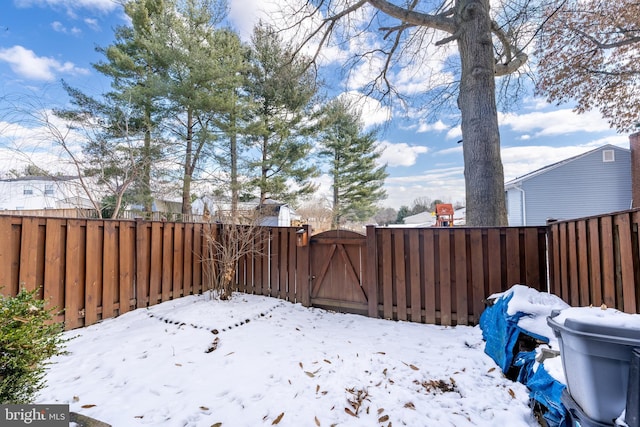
444, 215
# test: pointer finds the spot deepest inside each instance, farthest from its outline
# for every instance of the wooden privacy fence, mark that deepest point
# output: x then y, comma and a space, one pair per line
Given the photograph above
443, 275
96, 269
595, 260
428, 275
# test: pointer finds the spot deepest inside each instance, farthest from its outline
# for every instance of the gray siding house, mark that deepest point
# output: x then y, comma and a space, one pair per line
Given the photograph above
593, 183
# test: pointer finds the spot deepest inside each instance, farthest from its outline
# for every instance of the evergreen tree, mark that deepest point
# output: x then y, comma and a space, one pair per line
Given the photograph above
195, 54
352, 156
133, 64
234, 115
284, 90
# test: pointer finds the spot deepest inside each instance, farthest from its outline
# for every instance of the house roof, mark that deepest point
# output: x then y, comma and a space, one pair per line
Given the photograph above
515, 182
41, 178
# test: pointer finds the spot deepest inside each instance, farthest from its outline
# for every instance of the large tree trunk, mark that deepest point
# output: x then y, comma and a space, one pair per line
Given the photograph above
188, 166
483, 173
146, 165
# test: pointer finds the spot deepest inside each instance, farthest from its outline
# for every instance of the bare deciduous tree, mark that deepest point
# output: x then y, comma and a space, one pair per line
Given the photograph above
227, 244
488, 44
105, 165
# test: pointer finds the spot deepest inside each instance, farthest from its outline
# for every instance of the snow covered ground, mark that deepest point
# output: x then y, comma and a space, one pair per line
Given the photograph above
255, 361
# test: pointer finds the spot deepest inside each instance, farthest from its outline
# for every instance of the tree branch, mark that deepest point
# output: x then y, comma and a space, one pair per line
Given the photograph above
439, 22
604, 46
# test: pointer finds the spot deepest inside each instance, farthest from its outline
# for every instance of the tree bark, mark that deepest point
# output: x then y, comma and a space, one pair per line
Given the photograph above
188, 166
483, 172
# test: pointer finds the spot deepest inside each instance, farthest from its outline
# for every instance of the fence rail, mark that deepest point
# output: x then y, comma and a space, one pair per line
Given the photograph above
95, 269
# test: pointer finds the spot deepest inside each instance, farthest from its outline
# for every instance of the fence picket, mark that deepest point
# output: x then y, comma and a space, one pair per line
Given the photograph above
74, 290
414, 277
461, 268
54, 267
608, 261
8, 250
126, 265
429, 275
29, 253
627, 302
583, 264
444, 245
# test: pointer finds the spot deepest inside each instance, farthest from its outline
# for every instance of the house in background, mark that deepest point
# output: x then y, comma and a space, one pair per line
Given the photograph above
43, 193
271, 213
593, 183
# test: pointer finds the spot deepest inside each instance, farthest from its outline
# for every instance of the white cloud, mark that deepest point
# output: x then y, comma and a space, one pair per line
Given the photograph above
454, 133
60, 28
400, 154
372, 110
558, 122
92, 23
27, 64
103, 6
438, 126
446, 184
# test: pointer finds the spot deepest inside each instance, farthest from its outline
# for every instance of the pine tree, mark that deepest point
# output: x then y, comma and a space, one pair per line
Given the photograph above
352, 155
284, 90
133, 64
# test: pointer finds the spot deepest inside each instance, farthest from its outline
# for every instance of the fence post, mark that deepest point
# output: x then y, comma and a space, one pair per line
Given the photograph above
303, 272
371, 274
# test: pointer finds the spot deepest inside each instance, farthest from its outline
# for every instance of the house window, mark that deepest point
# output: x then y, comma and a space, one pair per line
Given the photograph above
48, 190
608, 156
27, 191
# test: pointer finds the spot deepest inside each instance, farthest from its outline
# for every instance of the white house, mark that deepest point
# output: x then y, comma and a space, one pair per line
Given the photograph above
593, 183
43, 192
272, 212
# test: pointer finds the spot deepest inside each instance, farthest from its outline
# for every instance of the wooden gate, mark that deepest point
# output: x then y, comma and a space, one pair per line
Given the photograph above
337, 262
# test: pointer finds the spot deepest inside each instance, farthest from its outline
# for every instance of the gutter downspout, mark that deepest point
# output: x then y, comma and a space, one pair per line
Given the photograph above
524, 206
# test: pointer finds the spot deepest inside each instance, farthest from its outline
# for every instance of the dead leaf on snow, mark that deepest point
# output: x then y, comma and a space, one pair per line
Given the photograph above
204, 408
491, 370
383, 419
512, 394
216, 425
317, 421
414, 367
278, 419
410, 405
88, 406
349, 411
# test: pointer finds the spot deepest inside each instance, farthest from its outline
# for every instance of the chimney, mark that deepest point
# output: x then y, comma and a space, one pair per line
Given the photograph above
634, 145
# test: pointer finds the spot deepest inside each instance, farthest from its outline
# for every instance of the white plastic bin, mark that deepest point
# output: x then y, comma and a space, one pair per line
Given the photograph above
596, 360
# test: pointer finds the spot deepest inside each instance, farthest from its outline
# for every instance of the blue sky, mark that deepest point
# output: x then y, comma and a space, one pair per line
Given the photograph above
44, 41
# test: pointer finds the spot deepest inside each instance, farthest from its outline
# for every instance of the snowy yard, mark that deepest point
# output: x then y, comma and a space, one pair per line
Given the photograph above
256, 361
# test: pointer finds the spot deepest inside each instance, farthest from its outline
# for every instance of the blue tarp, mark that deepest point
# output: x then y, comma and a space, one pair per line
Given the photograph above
501, 332
543, 388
